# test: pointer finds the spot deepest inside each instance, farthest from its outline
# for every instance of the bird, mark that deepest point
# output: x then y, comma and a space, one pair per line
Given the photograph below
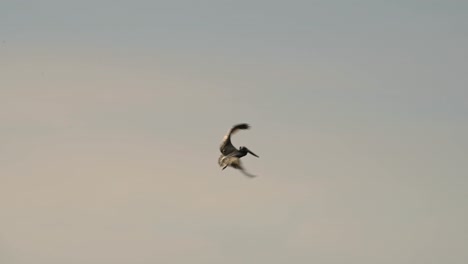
230, 155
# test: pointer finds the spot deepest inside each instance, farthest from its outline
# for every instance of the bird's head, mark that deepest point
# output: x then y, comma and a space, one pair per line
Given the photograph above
246, 150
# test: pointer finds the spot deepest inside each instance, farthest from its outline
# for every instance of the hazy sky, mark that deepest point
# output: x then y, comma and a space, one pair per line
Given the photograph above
112, 113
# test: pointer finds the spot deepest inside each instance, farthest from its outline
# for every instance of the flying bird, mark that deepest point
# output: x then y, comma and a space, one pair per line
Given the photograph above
230, 155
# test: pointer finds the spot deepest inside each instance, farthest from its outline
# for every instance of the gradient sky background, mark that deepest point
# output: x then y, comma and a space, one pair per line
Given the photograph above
112, 113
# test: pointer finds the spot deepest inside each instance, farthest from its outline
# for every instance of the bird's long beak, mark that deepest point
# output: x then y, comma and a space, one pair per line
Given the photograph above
252, 153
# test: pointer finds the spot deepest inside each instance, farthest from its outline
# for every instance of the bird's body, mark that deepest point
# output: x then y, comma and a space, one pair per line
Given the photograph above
230, 155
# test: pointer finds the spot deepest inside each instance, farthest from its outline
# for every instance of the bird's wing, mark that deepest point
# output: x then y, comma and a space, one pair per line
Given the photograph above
238, 127
247, 174
238, 165
226, 145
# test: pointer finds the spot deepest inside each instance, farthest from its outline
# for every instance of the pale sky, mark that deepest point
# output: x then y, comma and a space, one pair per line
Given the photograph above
112, 113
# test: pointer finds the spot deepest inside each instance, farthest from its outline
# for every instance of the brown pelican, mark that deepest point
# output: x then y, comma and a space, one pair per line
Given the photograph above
230, 156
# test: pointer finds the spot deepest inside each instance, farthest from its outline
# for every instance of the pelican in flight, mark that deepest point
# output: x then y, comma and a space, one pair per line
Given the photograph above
230, 155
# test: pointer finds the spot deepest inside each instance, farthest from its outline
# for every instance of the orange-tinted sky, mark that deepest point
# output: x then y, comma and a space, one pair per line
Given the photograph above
112, 113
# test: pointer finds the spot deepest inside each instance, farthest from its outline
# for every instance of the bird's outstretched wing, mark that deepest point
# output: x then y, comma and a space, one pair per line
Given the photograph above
247, 174
226, 146
238, 165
